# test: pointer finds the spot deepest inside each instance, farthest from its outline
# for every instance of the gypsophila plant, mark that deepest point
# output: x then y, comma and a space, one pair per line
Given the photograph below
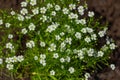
51, 40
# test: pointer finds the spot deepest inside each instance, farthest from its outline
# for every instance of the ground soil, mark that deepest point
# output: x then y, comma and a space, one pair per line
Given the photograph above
110, 10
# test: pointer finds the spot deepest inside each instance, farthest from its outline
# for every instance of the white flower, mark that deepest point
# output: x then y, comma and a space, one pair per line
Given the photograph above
10, 36
43, 62
43, 18
42, 44
62, 60
100, 54
81, 10
35, 11
78, 35
62, 34
8, 60
62, 45
89, 30
101, 33
90, 52
65, 11
9, 66
90, 13
93, 36
1, 22
12, 12
112, 66
35, 57
52, 27
43, 10
52, 47
83, 30
24, 4
24, 11
71, 70
33, 2
30, 44
1, 60
49, 6
82, 21
87, 39
57, 7
55, 55
112, 46
20, 17
53, 13
87, 75
67, 59
7, 25
72, 6
14, 59
9, 46
80, 54
68, 40
52, 72
73, 16
57, 37
20, 58
24, 31
42, 56
31, 27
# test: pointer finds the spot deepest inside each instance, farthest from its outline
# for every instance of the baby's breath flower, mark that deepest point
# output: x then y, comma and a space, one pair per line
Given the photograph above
101, 33
1, 61
52, 47
62, 60
9, 45
31, 27
30, 44
62, 34
35, 57
57, 37
33, 2
90, 13
112, 66
100, 54
10, 36
81, 10
73, 16
1, 22
12, 12
20, 17
78, 35
20, 58
65, 11
55, 55
90, 52
71, 70
24, 31
35, 11
87, 75
24, 11
68, 59
68, 40
72, 6
52, 72
7, 25
49, 5
57, 7
93, 36
53, 13
9, 66
24, 4
87, 39
112, 46
42, 44
42, 56
43, 10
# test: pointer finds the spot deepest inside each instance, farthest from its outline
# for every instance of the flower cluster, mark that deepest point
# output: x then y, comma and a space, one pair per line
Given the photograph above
65, 42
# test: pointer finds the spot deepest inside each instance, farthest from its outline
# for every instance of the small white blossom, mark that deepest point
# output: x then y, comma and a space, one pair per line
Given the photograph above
31, 27
20, 17
9, 66
78, 35
112, 66
72, 6
1, 60
33, 2
90, 13
30, 44
24, 4
10, 36
62, 34
81, 10
90, 52
20, 58
87, 75
12, 12
65, 11
42, 56
71, 70
87, 39
7, 25
112, 46
68, 59
9, 46
101, 33
24, 31
43, 10
100, 54
57, 7
53, 13
35, 11
1, 22
94, 37
83, 30
52, 72
55, 55
52, 47
49, 6
68, 40
62, 60
35, 57
42, 44
24, 11
57, 37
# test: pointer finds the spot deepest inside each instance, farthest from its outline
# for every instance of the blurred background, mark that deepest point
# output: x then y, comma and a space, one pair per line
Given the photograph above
110, 10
